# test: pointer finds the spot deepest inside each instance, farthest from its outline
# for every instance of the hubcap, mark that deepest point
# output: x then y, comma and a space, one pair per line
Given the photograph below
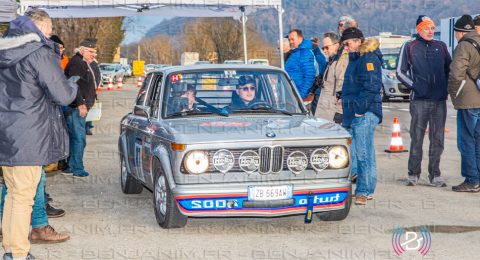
161, 194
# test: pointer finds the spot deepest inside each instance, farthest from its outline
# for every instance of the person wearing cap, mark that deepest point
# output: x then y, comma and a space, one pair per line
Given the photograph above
476, 22
244, 96
32, 131
76, 112
423, 67
61, 48
465, 96
362, 107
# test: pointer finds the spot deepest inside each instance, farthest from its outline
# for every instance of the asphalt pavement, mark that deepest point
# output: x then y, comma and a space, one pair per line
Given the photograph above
104, 223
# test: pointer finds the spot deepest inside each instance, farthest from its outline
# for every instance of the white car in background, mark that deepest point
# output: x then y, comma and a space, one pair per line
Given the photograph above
111, 72
258, 61
234, 62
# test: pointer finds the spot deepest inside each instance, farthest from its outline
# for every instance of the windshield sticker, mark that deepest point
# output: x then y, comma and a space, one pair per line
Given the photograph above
229, 124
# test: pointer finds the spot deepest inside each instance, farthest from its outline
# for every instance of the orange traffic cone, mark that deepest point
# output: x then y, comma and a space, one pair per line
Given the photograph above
119, 83
110, 85
139, 82
99, 89
396, 144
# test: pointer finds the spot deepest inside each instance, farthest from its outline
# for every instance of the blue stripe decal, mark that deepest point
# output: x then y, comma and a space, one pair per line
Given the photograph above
235, 203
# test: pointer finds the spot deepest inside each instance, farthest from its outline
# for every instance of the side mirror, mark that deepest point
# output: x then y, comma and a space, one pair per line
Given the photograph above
142, 111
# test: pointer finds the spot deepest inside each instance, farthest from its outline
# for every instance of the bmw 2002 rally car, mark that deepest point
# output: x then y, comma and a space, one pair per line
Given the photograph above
232, 140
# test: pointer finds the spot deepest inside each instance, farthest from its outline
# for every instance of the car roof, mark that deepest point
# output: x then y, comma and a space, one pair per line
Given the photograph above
207, 67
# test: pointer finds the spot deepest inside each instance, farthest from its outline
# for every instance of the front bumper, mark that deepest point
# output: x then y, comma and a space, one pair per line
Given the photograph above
396, 90
210, 200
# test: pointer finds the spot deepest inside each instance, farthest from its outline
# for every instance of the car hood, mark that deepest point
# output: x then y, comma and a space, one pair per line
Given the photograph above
251, 128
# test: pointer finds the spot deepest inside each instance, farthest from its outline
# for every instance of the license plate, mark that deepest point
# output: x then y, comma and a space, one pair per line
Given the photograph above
270, 192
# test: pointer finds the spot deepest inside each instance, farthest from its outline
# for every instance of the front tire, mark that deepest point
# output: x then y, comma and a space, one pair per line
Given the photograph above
129, 184
337, 215
385, 98
166, 210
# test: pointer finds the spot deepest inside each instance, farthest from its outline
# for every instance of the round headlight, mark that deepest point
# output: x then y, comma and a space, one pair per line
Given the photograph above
249, 161
338, 157
319, 160
223, 160
297, 162
196, 162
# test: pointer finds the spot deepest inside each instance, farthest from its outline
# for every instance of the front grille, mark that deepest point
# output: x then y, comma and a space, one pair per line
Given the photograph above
271, 159
265, 166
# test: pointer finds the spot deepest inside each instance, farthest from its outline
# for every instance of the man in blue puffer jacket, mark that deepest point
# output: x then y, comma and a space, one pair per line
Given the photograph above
300, 65
362, 107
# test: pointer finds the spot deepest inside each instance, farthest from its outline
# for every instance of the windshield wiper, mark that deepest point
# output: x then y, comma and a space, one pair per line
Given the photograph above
266, 109
195, 112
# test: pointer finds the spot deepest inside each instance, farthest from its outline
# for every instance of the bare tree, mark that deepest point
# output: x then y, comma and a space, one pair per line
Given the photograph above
108, 31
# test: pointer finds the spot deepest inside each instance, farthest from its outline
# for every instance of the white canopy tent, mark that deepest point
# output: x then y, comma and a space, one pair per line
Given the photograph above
184, 8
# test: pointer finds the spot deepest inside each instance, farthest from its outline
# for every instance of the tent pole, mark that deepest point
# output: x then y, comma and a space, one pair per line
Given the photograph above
244, 30
280, 29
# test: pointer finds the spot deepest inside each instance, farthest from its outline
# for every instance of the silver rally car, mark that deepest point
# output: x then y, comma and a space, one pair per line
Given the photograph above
232, 140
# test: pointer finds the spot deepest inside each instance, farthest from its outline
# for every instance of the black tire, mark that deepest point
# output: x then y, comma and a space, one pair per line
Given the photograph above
166, 211
337, 215
128, 183
385, 98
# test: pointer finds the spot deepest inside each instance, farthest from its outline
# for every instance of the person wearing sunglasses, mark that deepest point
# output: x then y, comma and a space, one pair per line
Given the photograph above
362, 107
244, 96
423, 67
328, 106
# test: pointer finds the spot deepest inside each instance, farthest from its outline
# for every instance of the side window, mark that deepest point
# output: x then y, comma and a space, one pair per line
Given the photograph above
153, 99
143, 91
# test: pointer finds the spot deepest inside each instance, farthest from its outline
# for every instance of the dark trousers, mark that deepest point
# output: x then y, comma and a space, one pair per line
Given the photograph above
431, 114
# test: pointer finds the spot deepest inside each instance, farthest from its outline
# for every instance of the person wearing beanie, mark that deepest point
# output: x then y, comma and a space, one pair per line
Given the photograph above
362, 107
61, 48
423, 67
465, 96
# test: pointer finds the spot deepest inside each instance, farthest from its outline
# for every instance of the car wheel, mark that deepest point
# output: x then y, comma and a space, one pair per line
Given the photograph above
128, 183
166, 211
337, 215
385, 98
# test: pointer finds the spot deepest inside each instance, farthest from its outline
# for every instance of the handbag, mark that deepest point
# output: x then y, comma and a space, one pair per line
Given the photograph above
95, 112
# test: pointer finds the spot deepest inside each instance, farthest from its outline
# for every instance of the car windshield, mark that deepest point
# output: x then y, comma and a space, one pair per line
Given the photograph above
228, 92
390, 61
105, 67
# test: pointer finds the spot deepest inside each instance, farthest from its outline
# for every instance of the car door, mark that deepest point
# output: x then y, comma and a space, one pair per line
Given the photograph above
133, 145
147, 127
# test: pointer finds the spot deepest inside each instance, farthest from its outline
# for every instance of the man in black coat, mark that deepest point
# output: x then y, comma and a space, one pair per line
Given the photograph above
76, 112
32, 132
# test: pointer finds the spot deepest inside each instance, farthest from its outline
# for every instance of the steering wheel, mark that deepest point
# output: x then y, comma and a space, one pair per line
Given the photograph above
259, 104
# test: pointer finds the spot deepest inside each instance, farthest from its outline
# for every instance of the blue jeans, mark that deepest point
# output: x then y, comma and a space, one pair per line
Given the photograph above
39, 213
77, 137
363, 153
468, 142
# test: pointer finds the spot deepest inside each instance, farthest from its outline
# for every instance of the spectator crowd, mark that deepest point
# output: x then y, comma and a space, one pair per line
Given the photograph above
48, 95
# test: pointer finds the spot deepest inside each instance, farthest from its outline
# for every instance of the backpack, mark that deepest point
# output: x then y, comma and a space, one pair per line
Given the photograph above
477, 46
